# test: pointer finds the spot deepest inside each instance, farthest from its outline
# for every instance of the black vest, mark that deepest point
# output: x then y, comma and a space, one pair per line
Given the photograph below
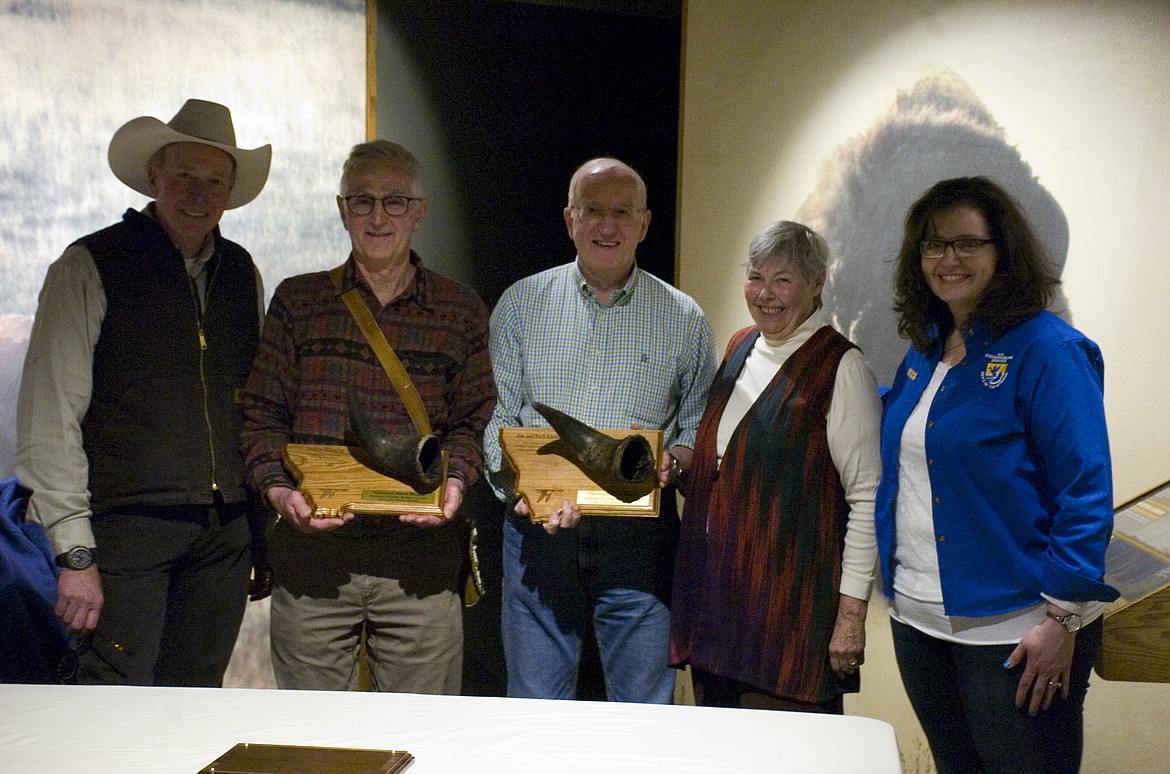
164, 421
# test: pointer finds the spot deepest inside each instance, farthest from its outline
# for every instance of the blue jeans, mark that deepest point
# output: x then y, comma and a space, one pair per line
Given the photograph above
550, 593
965, 700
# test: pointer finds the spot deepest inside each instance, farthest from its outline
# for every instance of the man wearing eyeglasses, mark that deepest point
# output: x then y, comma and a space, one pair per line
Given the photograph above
614, 347
390, 580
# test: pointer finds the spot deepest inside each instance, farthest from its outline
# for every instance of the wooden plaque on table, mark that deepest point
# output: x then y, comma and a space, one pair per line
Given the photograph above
335, 482
544, 479
247, 758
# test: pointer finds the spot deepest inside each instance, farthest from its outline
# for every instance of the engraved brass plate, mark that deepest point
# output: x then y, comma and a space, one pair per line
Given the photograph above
247, 758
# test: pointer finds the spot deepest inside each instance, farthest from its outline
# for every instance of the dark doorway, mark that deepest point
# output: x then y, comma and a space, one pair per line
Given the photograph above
523, 93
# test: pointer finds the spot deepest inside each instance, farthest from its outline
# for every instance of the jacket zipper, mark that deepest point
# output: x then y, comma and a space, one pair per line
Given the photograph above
199, 320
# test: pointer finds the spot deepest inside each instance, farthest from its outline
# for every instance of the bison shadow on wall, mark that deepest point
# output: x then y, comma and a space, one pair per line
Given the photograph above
937, 129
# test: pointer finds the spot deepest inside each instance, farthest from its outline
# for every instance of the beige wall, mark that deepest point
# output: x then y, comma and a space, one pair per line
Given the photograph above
773, 88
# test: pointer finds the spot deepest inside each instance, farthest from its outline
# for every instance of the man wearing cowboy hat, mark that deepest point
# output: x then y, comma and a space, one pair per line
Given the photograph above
128, 419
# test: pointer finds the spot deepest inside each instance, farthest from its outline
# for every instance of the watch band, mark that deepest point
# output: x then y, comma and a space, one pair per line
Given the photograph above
1071, 622
77, 558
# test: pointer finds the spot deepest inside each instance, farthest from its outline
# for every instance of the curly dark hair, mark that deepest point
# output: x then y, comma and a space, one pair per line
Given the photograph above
1024, 283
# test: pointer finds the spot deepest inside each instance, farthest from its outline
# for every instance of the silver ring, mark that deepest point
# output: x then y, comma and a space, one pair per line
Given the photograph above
1054, 684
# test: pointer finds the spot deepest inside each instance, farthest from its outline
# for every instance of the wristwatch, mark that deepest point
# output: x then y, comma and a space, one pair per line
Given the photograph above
76, 558
1071, 622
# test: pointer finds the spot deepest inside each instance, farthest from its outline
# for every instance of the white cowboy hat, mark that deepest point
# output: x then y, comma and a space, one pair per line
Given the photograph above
207, 123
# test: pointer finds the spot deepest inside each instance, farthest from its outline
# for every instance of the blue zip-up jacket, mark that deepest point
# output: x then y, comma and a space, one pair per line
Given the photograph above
1020, 472
34, 641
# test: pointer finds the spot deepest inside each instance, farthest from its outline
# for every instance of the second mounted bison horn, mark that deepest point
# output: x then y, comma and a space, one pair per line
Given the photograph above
623, 467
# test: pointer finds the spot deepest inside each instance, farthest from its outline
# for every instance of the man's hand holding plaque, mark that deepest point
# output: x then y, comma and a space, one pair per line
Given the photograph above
600, 472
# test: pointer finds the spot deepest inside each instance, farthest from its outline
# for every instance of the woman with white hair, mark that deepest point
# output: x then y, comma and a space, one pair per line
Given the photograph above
777, 553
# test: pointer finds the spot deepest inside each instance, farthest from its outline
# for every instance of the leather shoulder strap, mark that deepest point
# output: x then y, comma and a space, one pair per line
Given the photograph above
385, 354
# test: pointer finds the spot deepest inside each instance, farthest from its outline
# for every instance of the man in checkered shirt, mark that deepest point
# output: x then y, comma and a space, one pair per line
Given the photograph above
614, 347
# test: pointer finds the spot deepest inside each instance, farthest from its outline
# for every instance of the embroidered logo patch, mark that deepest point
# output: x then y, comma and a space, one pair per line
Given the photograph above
995, 371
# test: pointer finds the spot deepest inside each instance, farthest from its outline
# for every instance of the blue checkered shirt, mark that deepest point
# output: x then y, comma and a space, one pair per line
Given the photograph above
646, 358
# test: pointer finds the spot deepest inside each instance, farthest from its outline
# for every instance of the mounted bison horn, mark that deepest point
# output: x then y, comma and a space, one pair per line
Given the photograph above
415, 460
623, 467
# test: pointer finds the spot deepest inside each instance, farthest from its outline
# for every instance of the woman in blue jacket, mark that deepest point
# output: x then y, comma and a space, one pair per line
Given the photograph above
996, 500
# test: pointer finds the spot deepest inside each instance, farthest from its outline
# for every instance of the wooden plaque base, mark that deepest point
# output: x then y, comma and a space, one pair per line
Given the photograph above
334, 482
544, 479
247, 758
1135, 640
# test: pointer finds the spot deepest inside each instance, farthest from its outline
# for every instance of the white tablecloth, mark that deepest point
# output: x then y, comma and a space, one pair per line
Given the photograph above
159, 730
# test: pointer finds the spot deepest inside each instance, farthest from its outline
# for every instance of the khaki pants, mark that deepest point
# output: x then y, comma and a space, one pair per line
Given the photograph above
394, 584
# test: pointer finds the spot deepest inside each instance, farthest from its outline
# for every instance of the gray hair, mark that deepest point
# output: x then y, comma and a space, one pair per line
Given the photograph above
791, 242
604, 164
385, 152
788, 241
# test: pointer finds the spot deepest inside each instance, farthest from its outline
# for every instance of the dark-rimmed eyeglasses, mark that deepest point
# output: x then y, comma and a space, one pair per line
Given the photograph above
936, 248
394, 205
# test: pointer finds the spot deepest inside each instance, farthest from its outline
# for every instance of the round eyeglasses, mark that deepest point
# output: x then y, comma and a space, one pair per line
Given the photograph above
936, 248
394, 205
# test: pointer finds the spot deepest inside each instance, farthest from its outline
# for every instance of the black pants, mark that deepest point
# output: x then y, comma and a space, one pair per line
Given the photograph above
711, 690
965, 699
175, 582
